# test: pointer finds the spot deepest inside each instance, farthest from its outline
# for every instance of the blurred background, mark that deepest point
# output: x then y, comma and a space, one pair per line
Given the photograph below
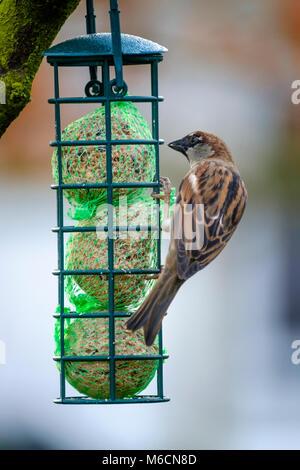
229, 332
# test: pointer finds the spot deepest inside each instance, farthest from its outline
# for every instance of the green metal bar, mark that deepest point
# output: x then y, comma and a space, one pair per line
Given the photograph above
138, 399
111, 283
86, 59
116, 228
103, 99
160, 387
91, 29
90, 17
93, 315
92, 272
60, 235
105, 185
155, 134
116, 42
123, 357
77, 143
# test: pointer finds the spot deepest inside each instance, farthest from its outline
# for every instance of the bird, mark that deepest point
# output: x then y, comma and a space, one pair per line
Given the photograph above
209, 206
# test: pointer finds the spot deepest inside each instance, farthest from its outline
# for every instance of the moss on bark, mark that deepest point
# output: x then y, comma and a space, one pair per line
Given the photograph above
27, 28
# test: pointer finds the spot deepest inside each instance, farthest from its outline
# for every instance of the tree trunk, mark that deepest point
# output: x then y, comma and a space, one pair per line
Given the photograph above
27, 28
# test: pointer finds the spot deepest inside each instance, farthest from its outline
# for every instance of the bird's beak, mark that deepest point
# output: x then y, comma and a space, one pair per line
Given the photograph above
179, 145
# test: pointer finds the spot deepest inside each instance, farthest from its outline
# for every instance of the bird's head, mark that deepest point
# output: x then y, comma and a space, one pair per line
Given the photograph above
199, 145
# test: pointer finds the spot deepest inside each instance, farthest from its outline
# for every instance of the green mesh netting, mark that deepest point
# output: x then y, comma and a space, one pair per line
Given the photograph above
86, 337
89, 250
87, 164
132, 250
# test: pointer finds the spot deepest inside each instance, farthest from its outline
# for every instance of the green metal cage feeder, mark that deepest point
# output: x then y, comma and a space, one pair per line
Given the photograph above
99, 52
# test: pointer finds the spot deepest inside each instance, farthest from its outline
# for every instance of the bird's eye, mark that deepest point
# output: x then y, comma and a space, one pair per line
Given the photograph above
195, 140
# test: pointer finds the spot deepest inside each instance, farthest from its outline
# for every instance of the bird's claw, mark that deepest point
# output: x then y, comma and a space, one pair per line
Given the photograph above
167, 188
166, 184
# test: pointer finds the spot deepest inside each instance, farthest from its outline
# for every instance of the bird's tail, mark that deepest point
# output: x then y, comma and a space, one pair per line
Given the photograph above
151, 312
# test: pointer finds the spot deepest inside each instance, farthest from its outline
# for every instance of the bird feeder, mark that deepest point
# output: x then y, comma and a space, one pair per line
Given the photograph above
102, 54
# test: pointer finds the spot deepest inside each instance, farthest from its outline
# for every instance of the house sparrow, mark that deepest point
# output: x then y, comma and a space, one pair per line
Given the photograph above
210, 203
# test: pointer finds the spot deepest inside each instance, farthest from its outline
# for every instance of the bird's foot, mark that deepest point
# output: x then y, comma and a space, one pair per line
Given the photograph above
167, 188
166, 197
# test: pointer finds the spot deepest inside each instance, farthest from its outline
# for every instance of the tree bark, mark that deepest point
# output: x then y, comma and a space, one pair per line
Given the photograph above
27, 28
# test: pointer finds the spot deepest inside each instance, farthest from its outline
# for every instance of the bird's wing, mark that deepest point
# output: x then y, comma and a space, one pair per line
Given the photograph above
209, 206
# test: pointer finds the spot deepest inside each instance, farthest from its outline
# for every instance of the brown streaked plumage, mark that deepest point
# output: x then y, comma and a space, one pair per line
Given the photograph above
209, 205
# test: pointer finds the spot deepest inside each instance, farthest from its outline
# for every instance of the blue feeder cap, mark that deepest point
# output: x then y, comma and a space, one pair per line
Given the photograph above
98, 45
